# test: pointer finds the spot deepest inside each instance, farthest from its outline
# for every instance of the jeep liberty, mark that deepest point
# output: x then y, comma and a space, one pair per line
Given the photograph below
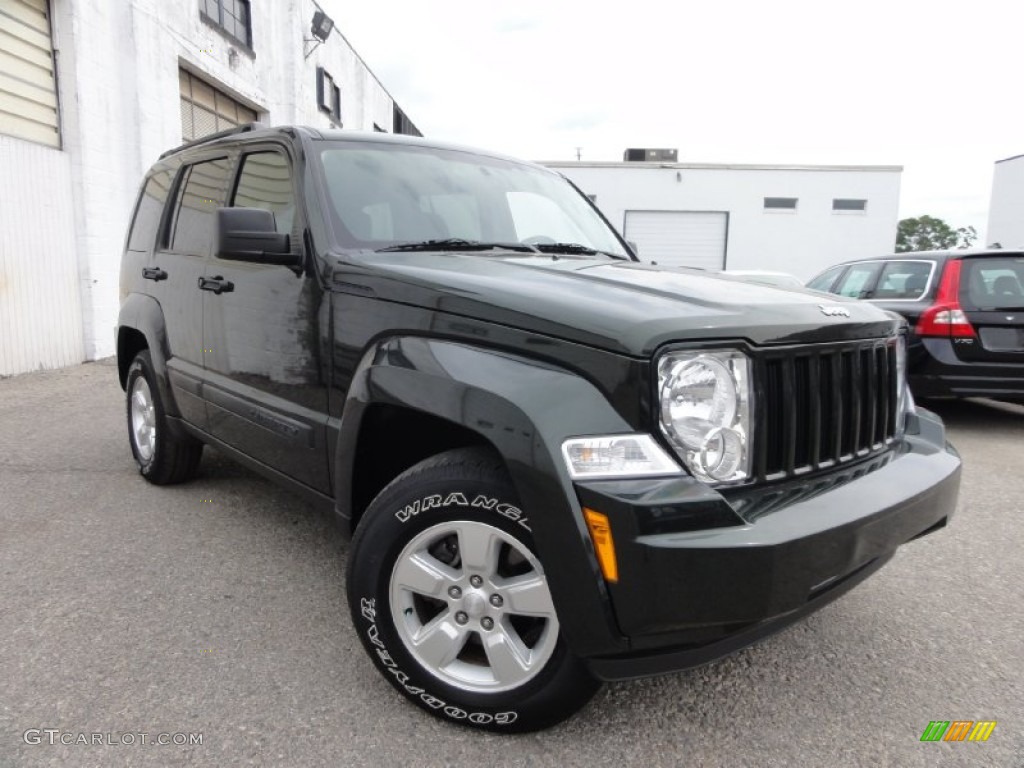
558, 465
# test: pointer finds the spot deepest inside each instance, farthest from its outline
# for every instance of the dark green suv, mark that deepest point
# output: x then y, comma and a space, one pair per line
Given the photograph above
559, 465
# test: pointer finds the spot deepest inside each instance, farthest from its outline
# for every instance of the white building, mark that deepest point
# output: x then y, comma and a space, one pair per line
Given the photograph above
92, 91
787, 218
1006, 210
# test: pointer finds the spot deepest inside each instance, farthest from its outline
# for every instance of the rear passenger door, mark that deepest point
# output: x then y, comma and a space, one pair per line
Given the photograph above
266, 387
179, 260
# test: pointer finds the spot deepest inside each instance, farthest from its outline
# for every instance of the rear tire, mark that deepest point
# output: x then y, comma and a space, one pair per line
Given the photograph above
163, 457
452, 605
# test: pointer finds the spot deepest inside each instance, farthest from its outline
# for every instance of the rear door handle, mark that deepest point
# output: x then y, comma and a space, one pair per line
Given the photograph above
153, 273
216, 284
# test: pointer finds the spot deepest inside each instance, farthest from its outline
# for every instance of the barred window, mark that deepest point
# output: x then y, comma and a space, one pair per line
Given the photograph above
206, 110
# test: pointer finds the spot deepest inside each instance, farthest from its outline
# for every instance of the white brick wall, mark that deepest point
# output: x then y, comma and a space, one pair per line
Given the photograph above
117, 65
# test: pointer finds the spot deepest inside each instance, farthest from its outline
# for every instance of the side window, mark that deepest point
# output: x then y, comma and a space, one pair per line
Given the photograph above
857, 282
202, 195
824, 281
266, 182
903, 280
151, 208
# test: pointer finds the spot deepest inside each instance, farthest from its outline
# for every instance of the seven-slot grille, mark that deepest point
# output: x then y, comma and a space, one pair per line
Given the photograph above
823, 405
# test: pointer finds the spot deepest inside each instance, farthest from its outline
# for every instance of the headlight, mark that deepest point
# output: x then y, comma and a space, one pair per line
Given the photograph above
705, 411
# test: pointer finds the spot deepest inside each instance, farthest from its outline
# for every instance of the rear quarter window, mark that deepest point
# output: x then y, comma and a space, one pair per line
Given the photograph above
992, 283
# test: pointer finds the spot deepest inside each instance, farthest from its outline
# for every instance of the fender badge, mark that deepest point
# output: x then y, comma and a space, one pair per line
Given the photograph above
833, 311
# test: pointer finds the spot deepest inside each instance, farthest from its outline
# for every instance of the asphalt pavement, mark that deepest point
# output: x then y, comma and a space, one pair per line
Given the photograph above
217, 608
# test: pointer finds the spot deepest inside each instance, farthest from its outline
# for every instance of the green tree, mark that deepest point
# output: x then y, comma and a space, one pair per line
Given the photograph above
927, 233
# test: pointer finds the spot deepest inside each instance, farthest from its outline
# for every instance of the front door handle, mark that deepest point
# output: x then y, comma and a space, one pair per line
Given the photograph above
153, 273
216, 284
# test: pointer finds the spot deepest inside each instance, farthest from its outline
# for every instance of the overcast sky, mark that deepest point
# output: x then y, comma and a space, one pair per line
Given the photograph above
932, 86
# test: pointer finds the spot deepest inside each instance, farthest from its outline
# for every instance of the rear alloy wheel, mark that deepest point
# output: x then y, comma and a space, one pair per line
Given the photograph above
163, 457
452, 603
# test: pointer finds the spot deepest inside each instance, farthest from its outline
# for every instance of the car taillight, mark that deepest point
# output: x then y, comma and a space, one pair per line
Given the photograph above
946, 317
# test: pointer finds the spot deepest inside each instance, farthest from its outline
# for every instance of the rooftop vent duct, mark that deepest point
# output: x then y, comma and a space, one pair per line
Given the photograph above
651, 155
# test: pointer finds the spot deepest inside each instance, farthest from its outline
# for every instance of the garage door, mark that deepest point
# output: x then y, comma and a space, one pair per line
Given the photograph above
680, 238
28, 93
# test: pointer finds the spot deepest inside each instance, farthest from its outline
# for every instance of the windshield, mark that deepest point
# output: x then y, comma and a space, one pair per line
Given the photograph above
992, 283
383, 195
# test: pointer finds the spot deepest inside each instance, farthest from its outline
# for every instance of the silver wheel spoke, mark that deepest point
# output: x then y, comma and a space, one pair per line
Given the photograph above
440, 642
478, 547
425, 575
528, 595
509, 658
440, 611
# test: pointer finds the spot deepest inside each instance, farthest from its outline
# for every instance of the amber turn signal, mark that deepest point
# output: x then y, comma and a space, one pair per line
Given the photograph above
604, 545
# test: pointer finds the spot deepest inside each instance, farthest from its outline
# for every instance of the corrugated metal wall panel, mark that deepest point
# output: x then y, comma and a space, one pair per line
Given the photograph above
28, 104
40, 308
680, 238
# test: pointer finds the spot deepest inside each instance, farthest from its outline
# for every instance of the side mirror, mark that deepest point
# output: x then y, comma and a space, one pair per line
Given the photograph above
250, 234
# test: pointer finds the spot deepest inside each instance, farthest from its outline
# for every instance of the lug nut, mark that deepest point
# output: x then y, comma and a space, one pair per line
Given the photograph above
496, 601
454, 593
461, 617
476, 581
487, 622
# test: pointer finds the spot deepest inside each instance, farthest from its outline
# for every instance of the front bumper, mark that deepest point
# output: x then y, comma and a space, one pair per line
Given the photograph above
702, 574
937, 371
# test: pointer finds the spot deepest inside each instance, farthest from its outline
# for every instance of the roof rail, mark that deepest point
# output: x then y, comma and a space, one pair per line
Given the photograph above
211, 136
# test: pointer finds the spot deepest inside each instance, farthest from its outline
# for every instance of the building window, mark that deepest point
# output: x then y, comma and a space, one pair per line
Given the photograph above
849, 205
328, 96
28, 85
206, 110
404, 125
229, 16
780, 203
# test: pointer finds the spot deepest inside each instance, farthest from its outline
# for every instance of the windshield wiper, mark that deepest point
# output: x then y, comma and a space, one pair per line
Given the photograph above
457, 244
574, 248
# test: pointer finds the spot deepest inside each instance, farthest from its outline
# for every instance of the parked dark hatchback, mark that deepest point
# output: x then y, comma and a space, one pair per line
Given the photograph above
558, 465
966, 314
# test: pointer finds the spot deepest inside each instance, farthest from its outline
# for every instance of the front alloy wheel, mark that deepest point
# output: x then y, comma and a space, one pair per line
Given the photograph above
472, 606
452, 603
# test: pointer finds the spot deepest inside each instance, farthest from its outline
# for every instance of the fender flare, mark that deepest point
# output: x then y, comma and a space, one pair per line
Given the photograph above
524, 409
144, 314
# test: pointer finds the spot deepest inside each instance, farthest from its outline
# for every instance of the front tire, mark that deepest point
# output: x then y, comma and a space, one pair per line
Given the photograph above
452, 603
163, 457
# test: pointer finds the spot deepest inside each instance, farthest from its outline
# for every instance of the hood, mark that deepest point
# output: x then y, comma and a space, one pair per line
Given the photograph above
625, 307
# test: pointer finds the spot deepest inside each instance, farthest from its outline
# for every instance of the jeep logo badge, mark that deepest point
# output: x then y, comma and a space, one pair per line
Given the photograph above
833, 311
